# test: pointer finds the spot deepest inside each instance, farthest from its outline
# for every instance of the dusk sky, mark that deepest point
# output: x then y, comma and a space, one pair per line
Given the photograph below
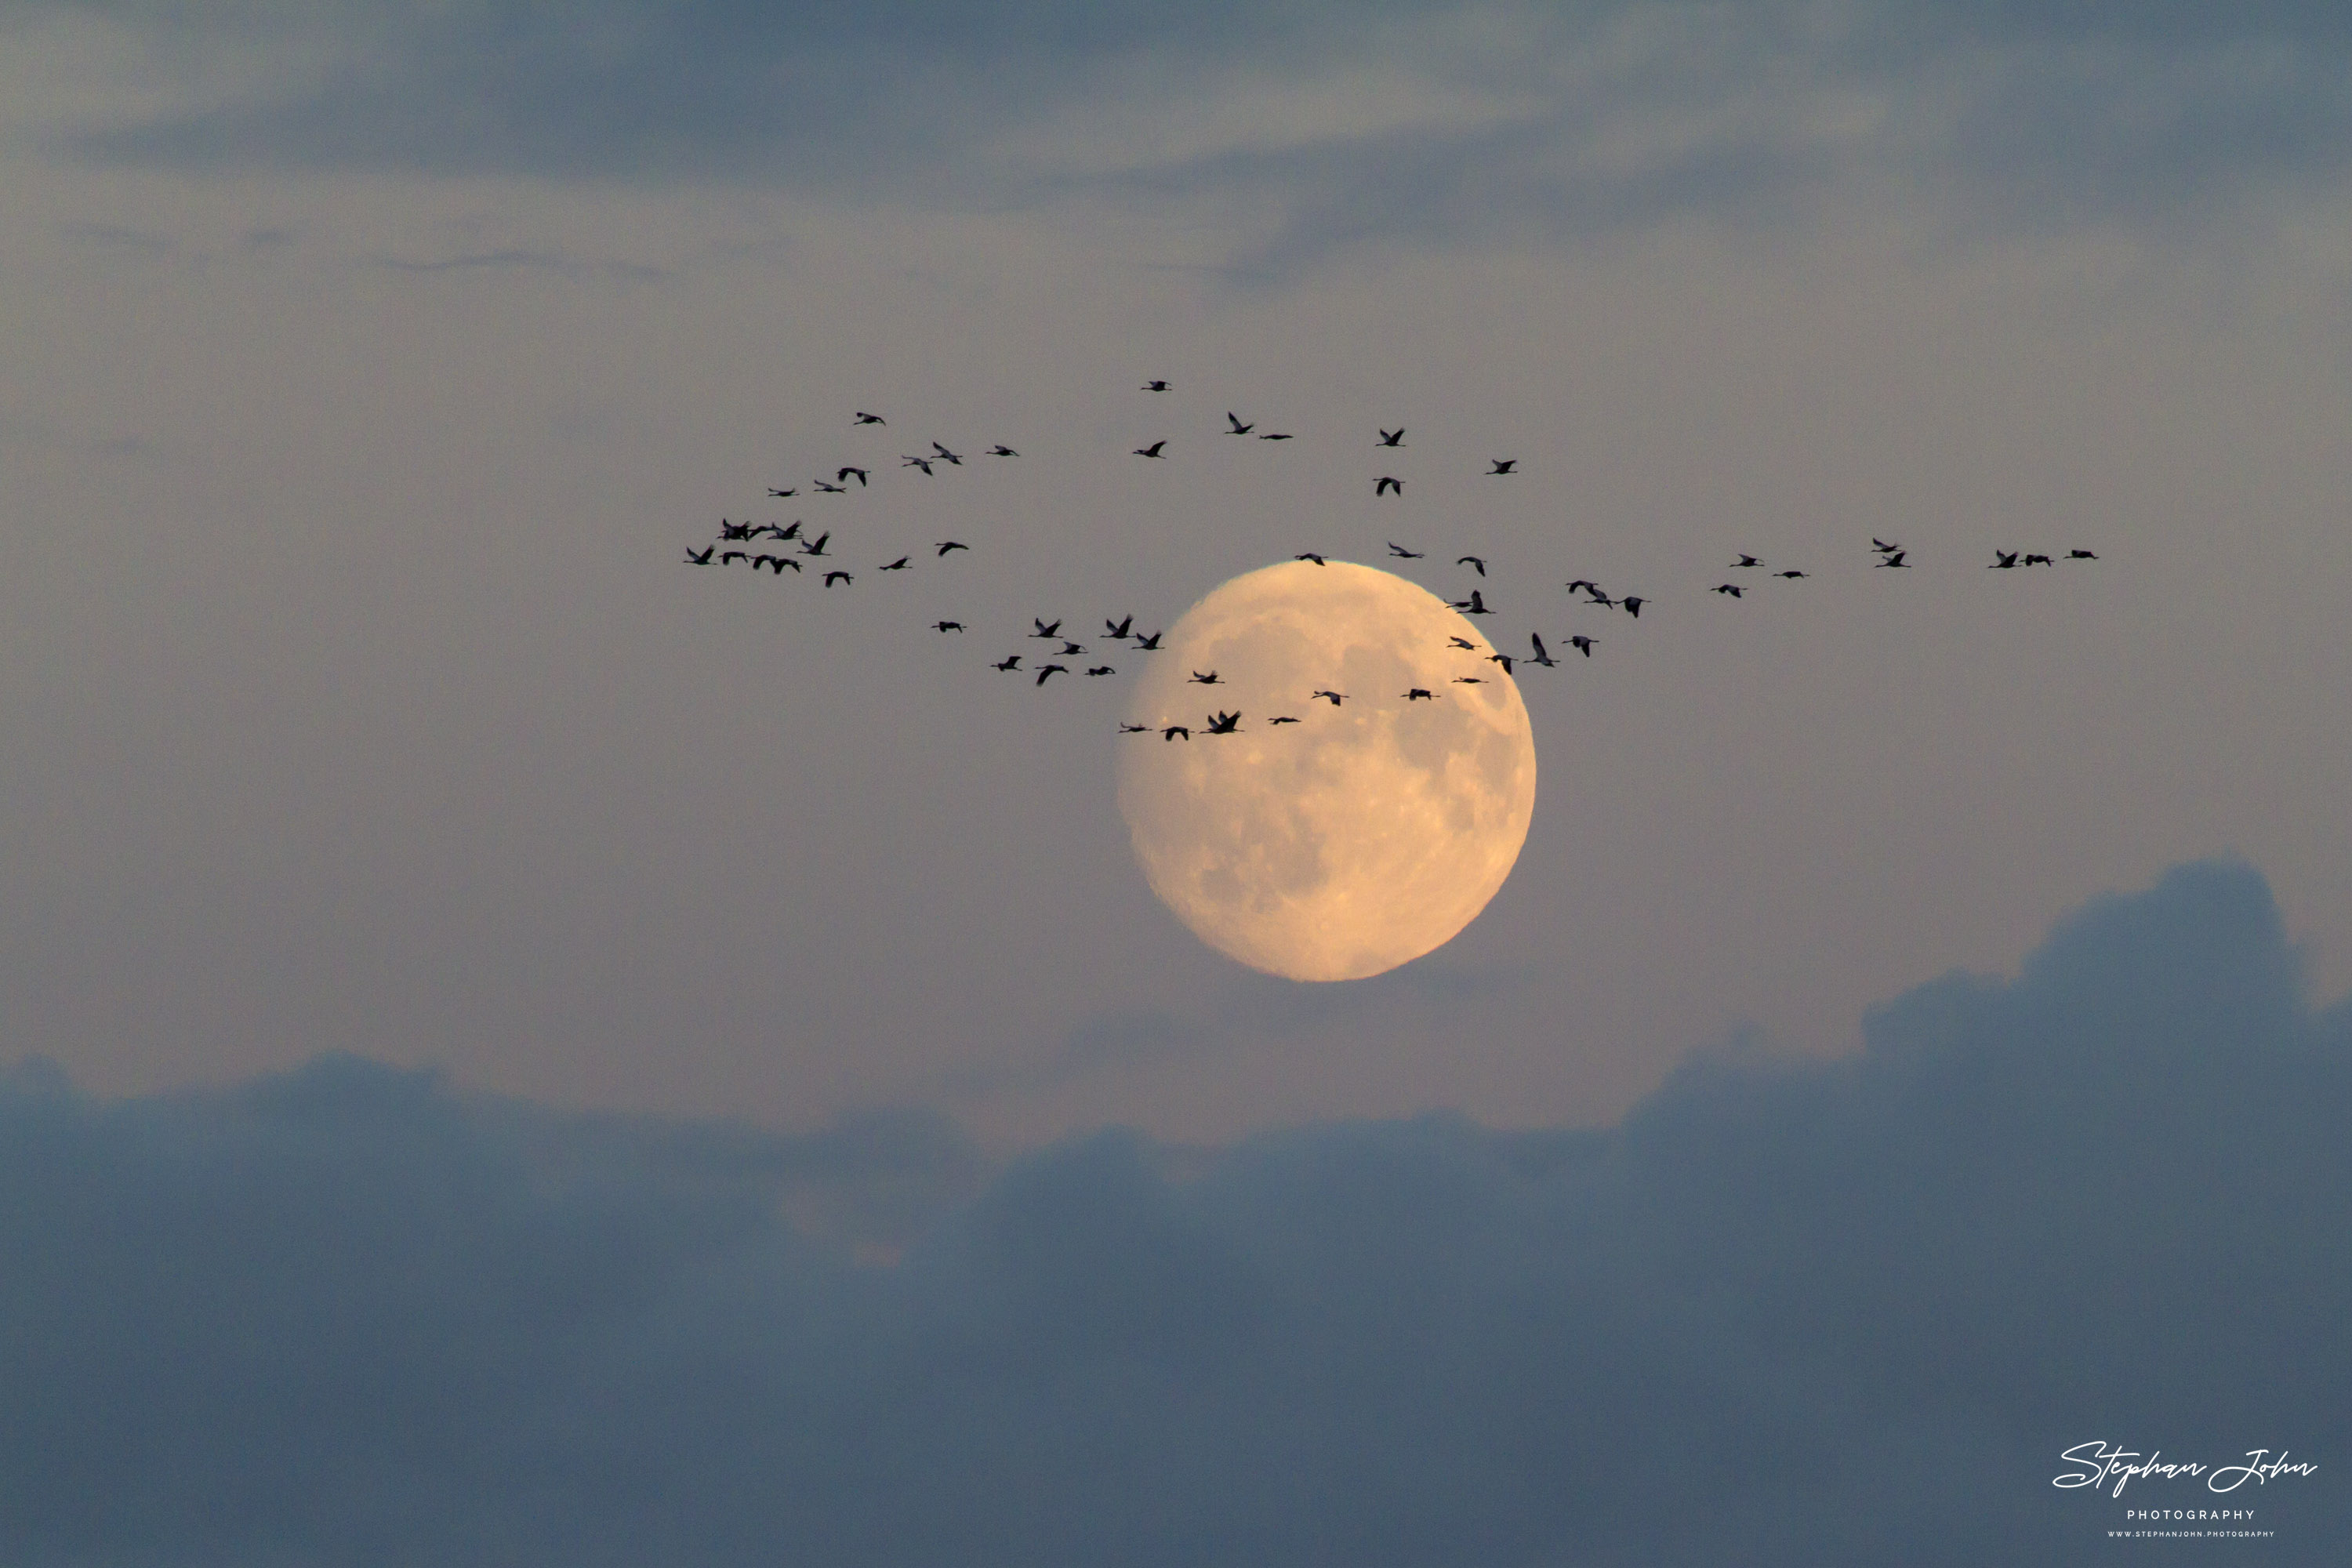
527, 1052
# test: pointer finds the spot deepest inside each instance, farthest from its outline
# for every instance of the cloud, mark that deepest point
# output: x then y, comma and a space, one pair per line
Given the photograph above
1311, 128
116, 238
36, 433
541, 260
1786, 1313
1250, 1009
517, 259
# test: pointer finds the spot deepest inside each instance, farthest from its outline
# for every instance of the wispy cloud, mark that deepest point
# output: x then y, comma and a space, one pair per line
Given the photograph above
486, 260
37, 433
116, 238
518, 259
1251, 1011
1312, 128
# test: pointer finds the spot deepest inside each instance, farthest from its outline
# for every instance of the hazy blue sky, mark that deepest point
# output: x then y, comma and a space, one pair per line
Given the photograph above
364, 371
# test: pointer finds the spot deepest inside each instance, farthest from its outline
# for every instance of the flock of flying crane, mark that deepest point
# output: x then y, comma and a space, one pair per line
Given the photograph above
738, 543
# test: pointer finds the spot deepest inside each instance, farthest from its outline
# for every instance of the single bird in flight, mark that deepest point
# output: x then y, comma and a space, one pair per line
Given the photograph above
865, 418
1386, 483
702, 560
1282, 719
1747, 561
1117, 631
1420, 694
2080, 556
1222, 724
2002, 561
1102, 669
1461, 643
1792, 574
1334, 698
1046, 669
945, 456
1209, 679
1155, 387
1502, 659
815, 546
1631, 604
1274, 436
922, 463
1309, 555
825, 489
1011, 663
1474, 605
1730, 588
898, 565
944, 545
1175, 731
842, 476
1502, 466
1235, 426
845, 577
1044, 630
1126, 728
773, 491
1895, 559
1542, 654
1581, 645
1477, 561
948, 626
1152, 451
1150, 644
1391, 438
1001, 450
1401, 554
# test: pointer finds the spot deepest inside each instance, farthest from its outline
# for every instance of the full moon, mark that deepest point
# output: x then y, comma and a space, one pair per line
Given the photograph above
1368, 833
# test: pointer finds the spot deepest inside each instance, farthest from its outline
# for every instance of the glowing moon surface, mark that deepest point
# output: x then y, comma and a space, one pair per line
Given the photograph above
1365, 835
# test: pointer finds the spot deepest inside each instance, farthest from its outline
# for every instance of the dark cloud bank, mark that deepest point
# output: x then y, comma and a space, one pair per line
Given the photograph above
1787, 1312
